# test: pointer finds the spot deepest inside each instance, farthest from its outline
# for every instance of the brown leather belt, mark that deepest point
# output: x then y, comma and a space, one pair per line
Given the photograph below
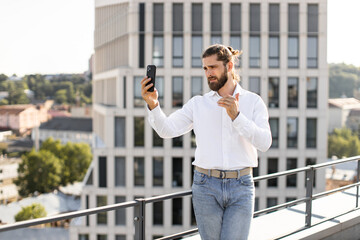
224, 174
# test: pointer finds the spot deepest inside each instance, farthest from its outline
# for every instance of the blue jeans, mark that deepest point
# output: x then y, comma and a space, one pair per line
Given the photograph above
223, 207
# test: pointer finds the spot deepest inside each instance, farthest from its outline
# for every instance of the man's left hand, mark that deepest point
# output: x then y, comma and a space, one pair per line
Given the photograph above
231, 104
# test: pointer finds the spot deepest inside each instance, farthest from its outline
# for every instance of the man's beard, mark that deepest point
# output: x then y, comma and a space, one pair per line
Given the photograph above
216, 86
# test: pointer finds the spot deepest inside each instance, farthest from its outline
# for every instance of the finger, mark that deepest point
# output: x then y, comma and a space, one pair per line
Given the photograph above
237, 96
146, 88
145, 80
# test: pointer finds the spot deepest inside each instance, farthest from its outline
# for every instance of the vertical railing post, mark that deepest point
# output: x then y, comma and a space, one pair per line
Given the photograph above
357, 180
309, 194
139, 219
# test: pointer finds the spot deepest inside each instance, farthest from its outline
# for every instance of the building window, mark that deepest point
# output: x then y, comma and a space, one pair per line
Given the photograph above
178, 52
272, 168
138, 100
235, 27
157, 140
254, 60
293, 92
139, 171
139, 136
312, 18
120, 214
177, 172
293, 38
216, 23
158, 50
177, 90
292, 132
102, 172
196, 50
273, 92
291, 180
83, 236
158, 171
177, 142
101, 217
311, 130
177, 211
158, 209
196, 39
293, 52
274, 52
311, 92
120, 132
254, 56
254, 84
271, 202
193, 139
158, 38
196, 86
101, 237
178, 45
120, 171
312, 52
274, 126
120, 237
274, 37
141, 35
177, 17
235, 43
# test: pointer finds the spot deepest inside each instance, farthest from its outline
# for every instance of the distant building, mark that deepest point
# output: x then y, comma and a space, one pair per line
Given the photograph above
339, 112
20, 118
82, 112
66, 129
8, 173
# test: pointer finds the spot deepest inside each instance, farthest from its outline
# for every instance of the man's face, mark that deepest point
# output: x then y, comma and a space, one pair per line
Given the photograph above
215, 71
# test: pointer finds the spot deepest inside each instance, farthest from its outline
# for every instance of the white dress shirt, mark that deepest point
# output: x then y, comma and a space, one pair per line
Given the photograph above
221, 143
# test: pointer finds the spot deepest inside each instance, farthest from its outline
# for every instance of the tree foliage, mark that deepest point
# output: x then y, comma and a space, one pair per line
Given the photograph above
35, 210
54, 165
344, 80
69, 89
39, 171
343, 143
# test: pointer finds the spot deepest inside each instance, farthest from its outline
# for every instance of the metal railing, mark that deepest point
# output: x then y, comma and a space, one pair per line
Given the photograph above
140, 204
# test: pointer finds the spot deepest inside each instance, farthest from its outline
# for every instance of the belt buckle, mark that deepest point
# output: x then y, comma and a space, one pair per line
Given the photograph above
222, 175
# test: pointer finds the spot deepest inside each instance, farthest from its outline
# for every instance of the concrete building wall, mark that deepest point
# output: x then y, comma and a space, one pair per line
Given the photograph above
118, 112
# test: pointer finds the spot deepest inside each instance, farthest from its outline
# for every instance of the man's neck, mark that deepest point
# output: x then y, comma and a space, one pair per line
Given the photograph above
228, 88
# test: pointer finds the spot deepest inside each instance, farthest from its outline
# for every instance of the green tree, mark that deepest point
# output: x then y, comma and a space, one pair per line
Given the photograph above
76, 160
343, 143
39, 171
343, 80
35, 210
61, 96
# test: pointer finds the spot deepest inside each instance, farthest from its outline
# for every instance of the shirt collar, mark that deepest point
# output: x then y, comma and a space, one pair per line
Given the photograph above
238, 89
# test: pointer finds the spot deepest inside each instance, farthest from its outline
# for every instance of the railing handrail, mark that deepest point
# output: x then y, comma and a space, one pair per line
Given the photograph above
140, 203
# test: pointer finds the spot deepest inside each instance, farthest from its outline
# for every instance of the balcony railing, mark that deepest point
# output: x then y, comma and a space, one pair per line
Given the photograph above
140, 204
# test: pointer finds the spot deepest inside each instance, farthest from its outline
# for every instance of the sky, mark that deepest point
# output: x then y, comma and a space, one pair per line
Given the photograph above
56, 36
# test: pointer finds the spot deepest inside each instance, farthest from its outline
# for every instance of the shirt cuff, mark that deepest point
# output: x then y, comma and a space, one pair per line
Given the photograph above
240, 122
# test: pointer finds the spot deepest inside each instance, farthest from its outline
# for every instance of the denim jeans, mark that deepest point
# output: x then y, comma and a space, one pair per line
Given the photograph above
223, 207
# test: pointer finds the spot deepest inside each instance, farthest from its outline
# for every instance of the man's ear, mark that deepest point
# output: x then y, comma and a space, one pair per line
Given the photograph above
230, 66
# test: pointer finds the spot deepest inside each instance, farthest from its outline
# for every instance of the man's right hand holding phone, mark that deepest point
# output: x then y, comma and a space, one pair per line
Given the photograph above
151, 98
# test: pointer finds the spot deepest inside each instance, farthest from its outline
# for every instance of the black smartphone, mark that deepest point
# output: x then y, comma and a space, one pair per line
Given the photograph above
151, 73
